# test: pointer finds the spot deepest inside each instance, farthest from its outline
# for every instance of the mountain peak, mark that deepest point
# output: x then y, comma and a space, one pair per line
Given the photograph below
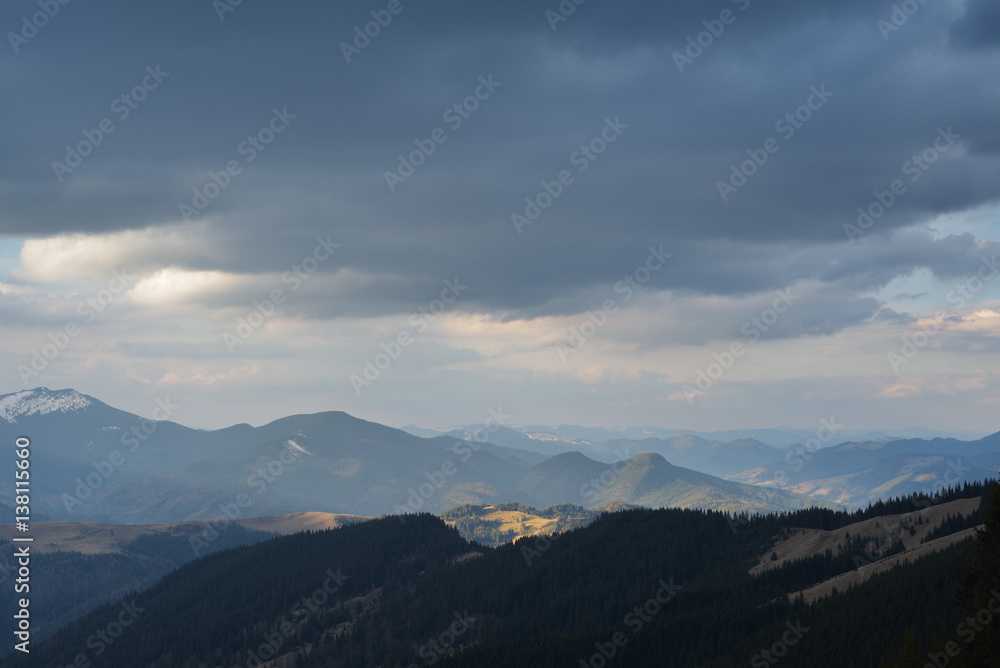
650, 458
41, 401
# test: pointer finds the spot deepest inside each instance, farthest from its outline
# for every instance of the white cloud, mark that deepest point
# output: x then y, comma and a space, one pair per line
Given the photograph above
175, 287
75, 258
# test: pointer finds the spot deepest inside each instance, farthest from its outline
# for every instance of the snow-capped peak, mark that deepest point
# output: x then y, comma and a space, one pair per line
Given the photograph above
41, 401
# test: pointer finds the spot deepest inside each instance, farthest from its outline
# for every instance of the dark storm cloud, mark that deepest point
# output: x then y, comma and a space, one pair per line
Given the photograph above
980, 27
656, 184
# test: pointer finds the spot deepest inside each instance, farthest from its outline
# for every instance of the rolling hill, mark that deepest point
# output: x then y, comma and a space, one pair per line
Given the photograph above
855, 474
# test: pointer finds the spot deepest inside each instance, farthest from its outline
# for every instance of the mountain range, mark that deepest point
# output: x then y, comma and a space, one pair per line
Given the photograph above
778, 437
92, 462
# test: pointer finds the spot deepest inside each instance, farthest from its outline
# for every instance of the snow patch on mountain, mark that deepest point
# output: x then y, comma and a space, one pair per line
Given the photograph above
41, 401
545, 436
295, 446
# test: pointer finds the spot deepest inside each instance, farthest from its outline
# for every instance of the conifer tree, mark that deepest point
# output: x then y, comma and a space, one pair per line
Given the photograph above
979, 590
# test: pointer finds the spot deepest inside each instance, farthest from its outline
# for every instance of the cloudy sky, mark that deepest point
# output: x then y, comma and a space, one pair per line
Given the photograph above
695, 215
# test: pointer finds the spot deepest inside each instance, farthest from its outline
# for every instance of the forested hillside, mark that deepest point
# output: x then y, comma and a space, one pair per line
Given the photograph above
72, 583
644, 587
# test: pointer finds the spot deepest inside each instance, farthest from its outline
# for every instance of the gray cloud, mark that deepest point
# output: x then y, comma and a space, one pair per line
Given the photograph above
980, 27
892, 95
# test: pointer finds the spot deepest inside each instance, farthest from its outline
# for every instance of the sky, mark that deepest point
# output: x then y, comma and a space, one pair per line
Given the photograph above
701, 215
